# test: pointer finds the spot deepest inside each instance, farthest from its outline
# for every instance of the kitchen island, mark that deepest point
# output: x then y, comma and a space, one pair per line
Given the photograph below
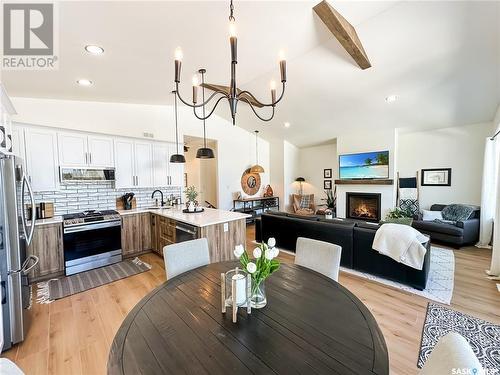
146, 229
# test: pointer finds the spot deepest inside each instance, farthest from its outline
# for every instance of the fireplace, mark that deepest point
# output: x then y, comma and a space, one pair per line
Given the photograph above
363, 206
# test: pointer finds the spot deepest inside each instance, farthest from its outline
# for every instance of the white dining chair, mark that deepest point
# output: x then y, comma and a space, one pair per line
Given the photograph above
320, 256
185, 256
452, 352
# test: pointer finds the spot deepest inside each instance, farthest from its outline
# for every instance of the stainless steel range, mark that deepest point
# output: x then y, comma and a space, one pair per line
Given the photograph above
91, 239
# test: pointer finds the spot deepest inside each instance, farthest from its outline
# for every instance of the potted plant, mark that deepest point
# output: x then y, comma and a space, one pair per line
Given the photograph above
331, 200
398, 216
260, 268
191, 195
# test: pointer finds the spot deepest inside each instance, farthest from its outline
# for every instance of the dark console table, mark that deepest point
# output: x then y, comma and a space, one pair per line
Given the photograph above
255, 206
311, 324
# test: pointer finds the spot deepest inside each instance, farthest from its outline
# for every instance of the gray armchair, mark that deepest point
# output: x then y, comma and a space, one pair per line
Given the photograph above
460, 234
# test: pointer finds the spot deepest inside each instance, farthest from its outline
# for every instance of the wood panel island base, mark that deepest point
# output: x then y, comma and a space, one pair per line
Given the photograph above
144, 230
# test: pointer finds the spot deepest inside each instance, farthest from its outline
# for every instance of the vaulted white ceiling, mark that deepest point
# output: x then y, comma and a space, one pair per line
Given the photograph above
441, 58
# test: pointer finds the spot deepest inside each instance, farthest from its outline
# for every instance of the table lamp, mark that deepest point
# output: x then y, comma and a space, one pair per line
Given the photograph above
300, 180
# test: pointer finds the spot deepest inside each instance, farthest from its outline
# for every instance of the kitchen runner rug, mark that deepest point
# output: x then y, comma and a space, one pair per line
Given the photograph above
439, 282
482, 336
53, 289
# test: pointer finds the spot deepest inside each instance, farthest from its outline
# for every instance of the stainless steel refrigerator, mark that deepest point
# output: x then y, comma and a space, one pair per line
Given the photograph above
16, 233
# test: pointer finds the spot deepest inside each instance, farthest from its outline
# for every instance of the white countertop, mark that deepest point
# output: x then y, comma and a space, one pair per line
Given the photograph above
50, 220
208, 217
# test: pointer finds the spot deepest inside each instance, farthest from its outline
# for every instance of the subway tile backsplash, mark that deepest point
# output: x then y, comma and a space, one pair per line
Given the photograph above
76, 197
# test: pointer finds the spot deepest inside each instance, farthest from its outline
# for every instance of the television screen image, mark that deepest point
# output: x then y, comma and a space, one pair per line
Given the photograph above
366, 165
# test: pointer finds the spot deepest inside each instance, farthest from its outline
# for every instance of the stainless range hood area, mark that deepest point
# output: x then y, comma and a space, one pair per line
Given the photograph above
72, 174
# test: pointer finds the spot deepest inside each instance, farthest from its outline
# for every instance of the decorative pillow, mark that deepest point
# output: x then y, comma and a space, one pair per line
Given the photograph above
457, 212
431, 215
409, 205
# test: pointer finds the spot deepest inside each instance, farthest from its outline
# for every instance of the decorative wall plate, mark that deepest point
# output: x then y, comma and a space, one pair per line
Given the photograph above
250, 182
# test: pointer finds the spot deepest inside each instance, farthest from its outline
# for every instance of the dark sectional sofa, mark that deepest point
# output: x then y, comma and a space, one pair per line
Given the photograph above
462, 233
355, 238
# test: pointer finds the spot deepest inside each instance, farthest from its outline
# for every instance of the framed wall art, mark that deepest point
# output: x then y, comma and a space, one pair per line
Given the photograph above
436, 177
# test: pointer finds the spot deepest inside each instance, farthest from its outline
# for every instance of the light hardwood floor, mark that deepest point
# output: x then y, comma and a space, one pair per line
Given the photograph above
73, 335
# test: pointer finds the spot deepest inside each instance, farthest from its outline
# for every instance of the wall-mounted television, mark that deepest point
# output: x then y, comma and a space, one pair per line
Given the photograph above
366, 165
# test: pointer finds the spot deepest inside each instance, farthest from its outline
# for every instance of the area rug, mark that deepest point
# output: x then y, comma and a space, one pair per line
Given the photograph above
482, 336
440, 280
51, 290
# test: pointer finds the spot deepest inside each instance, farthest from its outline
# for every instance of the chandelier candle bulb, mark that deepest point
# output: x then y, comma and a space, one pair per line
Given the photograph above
273, 96
283, 70
234, 49
178, 63
195, 89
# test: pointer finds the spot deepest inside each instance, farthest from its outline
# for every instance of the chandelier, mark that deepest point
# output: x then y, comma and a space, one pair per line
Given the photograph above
232, 93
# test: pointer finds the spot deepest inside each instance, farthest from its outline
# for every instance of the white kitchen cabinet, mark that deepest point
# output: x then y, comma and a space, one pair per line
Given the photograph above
161, 163
82, 150
41, 159
100, 151
176, 170
134, 163
124, 163
72, 149
143, 164
18, 148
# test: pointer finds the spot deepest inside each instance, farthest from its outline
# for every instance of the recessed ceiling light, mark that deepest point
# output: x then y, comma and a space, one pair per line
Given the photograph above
84, 82
287, 124
94, 50
391, 98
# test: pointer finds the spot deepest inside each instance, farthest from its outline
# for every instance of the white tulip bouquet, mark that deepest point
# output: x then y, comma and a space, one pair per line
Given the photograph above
264, 263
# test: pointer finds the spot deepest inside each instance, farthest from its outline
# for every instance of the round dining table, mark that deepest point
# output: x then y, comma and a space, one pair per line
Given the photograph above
310, 325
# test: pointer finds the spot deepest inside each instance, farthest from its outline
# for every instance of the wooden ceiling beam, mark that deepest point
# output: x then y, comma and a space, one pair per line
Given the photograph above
213, 87
344, 32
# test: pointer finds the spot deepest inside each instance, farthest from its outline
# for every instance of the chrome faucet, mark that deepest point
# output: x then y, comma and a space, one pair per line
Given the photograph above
161, 193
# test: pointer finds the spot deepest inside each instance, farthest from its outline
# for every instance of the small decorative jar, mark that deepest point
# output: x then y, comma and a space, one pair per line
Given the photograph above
328, 214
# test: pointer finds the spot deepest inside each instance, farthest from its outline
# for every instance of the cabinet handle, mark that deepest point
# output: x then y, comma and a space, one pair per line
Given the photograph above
90, 158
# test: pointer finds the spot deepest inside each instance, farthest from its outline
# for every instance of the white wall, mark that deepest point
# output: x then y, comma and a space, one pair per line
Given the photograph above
192, 168
460, 148
284, 170
496, 121
277, 170
290, 172
236, 147
373, 140
313, 160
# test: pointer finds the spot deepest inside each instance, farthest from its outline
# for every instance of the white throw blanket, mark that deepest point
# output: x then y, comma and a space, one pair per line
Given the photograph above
401, 243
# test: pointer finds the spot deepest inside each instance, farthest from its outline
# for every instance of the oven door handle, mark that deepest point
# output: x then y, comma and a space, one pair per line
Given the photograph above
87, 227
184, 229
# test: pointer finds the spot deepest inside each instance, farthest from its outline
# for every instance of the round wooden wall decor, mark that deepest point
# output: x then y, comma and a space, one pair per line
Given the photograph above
250, 182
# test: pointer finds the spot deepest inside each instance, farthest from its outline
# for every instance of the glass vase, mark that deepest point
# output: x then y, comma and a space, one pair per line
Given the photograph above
258, 299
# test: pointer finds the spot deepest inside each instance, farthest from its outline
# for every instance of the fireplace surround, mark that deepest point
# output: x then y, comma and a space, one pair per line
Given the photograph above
363, 206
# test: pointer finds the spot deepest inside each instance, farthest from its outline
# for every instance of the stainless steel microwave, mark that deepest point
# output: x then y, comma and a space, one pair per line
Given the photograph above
72, 174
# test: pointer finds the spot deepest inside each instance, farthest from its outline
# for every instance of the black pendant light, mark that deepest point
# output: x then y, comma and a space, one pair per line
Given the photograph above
204, 152
257, 168
176, 158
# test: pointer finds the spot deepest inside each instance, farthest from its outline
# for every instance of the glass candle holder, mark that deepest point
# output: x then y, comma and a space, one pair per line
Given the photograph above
236, 286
